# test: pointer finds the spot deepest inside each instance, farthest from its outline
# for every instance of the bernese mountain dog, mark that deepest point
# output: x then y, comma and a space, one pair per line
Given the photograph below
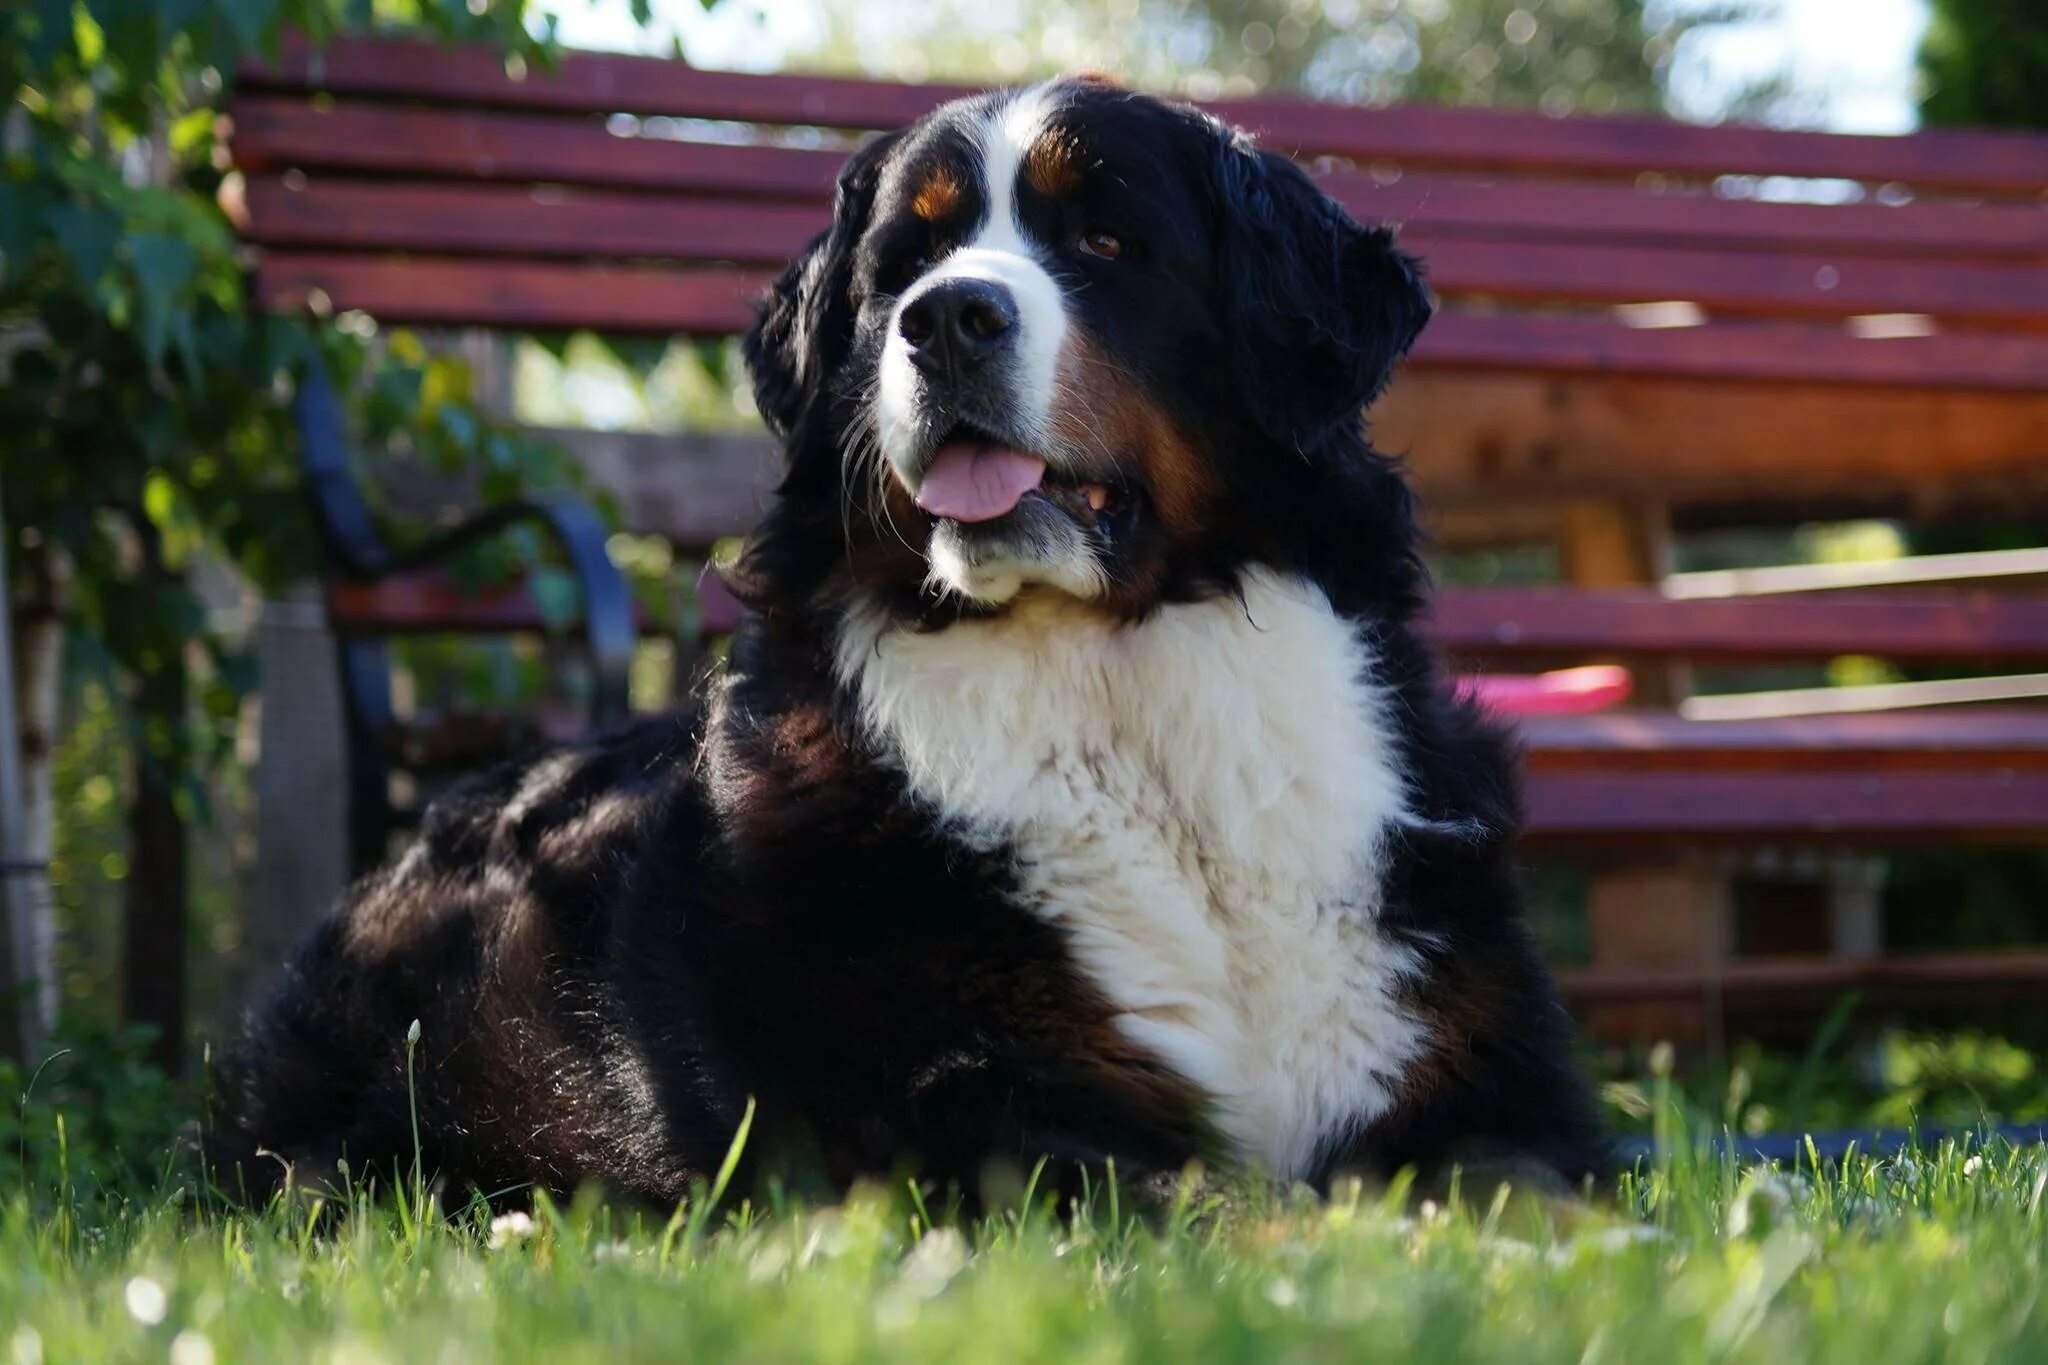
1079, 791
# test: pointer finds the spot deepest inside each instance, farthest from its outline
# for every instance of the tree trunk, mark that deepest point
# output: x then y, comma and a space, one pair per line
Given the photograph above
31, 661
155, 900
39, 648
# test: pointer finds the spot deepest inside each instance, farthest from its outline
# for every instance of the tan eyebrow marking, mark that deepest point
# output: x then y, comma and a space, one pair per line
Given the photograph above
1053, 165
937, 197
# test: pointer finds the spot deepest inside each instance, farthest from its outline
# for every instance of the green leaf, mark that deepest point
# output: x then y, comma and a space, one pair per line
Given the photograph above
87, 236
160, 500
21, 221
163, 265
251, 20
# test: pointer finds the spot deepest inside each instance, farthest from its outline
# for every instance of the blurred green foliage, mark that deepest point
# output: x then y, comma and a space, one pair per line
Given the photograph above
145, 403
1558, 55
1986, 62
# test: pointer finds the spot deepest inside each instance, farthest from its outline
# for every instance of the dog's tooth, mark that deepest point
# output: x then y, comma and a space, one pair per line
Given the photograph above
1098, 496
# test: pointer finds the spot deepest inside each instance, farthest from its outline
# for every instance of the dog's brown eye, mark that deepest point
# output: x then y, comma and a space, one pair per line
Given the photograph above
1102, 244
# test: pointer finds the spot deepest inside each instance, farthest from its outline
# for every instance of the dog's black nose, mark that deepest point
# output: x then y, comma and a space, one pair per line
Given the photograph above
955, 325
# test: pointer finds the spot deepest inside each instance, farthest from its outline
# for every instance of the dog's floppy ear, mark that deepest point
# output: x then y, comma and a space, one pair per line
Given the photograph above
805, 324
1319, 307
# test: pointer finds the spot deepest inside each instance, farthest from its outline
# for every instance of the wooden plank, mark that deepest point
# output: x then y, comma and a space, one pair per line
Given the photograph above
1789, 284
1997, 805
689, 488
1970, 566
1475, 439
701, 302
1979, 454
434, 602
277, 132
273, 133
1559, 622
584, 82
1649, 740
1787, 352
1964, 973
539, 296
1551, 210
524, 221
1455, 138
1486, 139
1834, 701
520, 220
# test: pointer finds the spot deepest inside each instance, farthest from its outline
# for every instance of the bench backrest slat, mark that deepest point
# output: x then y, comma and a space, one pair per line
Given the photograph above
526, 295
518, 220
275, 132
1462, 138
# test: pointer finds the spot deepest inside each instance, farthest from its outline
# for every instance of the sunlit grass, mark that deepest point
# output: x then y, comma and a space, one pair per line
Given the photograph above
1931, 1254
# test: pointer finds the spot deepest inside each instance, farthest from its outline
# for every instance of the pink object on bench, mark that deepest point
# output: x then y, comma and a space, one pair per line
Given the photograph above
1563, 692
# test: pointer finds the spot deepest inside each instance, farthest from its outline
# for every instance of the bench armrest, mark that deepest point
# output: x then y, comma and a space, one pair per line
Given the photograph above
607, 626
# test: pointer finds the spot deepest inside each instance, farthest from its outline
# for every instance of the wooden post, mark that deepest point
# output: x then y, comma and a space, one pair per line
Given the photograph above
301, 780
1662, 909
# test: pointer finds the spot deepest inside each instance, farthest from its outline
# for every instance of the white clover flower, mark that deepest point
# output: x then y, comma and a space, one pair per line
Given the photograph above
510, 1229
1767, 1195
146, 1301
191, 1348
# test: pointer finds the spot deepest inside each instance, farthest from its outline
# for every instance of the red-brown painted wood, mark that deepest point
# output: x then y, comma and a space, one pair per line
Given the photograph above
1766, 351
1646, 740
276, 132
1558, 210
440, 291
524, 221
1438, 137
531, 295
432, 602
1961, 626
1962, 974
1963, 803
550, 221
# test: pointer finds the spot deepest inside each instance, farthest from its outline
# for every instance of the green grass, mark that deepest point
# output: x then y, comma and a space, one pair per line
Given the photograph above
1933, 1256
110, 1252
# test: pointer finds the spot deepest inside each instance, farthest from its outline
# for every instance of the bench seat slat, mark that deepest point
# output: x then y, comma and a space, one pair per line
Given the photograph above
1638, 740
432, 602
277, 132
562, 296
1968, 803
1461, 138
517, 220
1963, 626
439, 291
1963, 975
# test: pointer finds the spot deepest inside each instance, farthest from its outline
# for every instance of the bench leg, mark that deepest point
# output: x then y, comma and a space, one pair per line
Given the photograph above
1659, 917
1670, 911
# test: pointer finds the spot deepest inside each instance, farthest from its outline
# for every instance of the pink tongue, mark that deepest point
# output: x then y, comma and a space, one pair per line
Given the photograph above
971, 484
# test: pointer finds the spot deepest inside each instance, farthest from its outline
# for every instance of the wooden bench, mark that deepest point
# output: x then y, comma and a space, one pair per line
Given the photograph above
1642, 321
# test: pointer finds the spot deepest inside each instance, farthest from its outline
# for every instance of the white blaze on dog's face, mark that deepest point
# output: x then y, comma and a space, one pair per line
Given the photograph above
1077, 339
986, 327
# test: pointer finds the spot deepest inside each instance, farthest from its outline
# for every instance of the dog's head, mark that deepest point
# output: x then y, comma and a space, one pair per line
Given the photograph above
1070, 339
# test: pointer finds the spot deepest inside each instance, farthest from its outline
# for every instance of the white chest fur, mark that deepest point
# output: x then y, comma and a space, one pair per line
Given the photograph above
1202, 801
